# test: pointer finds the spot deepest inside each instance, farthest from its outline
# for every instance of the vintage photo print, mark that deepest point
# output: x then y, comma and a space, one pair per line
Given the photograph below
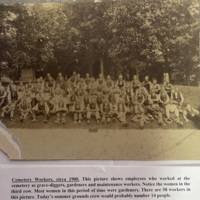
101, 80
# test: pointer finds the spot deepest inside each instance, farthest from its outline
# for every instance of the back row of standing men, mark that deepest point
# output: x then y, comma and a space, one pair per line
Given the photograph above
104, 99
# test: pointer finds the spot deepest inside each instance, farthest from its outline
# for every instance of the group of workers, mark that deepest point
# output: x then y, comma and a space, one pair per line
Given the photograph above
102, 98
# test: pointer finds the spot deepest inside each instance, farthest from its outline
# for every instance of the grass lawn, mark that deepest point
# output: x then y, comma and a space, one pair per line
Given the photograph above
191, 96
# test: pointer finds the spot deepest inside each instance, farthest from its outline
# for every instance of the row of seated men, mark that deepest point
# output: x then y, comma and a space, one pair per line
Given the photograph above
103, 99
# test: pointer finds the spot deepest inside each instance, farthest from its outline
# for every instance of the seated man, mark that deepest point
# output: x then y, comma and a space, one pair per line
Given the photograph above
29, 85
125, 99
164, 98
72, 100
3, 95
106, 109
147, 83
77, 110
99, 98
172, 114
137, 110
154, 97
93, 110
155, 87
59, 79
78, 80
129, 90
24, 108
177, 96
20, 90
121, 111
141, 89
41, 108
87, 81
46, 92
8, 109
61, 110
72, 79
154, 112
168, 87
39, 85
50, 80
189, 112
65, 86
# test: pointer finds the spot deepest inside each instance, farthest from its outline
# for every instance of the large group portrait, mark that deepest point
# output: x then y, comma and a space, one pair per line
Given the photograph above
101, 80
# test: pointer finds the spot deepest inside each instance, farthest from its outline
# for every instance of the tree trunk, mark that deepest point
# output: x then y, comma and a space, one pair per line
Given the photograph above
101, 66
137, 71
187, 77
90, 69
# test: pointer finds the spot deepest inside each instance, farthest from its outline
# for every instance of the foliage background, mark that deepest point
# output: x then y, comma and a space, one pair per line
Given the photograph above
144, 38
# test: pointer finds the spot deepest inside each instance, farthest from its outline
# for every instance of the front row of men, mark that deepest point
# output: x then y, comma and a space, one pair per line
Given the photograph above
105, 106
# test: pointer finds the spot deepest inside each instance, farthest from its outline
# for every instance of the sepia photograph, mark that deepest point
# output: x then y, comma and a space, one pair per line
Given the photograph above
101, 80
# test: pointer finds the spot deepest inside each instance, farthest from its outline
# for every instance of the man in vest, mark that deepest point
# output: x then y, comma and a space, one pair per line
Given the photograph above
177, 96
141, 89
99, 95
125, 99
3, 95
106, 109
168, 87
8, 109
93, 110
20, 90
154, 112
147, 83
13, 99
154, 97
77, 110
109, 83
78, 81
24, 108
137, 110
72, 100
189, 112
59, 79
81, 87
164, 98
50, 80
113, 101
41, 108
121, 111
29, 85
120, 82
61, 110
155, 87
65, 84
129, 90
100, 81
12, 93
87, 81
39, 85
172, 113
135, 83
72, 79
46, 92
33, 95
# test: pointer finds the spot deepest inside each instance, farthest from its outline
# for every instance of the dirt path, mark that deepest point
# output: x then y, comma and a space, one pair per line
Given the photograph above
109, 144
